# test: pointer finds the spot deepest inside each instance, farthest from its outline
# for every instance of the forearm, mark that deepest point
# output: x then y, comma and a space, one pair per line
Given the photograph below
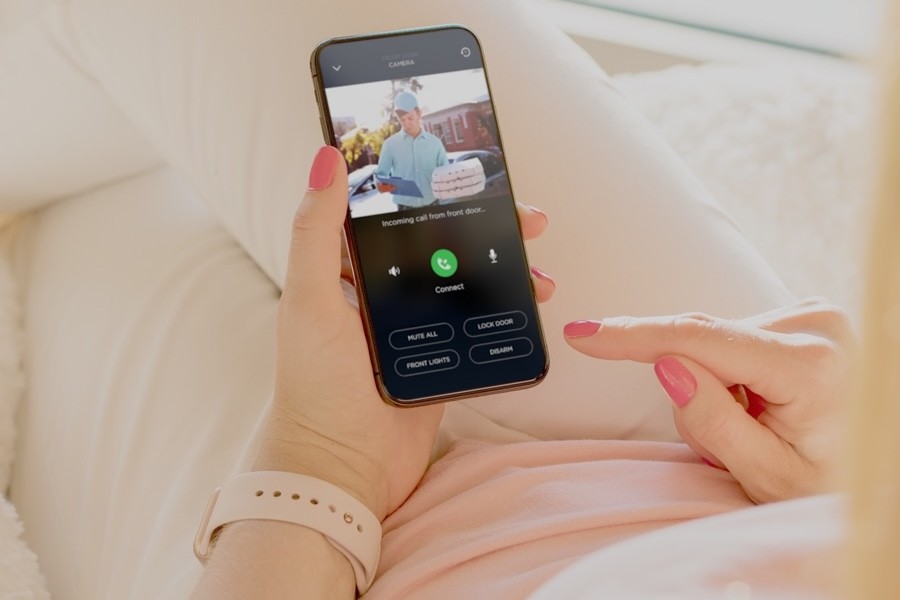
271, 559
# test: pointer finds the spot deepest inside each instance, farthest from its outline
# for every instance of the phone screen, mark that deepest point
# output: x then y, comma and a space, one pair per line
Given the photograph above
438, 256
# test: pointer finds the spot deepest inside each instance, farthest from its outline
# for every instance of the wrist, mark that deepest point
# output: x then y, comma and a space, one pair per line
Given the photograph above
244, 546
296, 500
286, 447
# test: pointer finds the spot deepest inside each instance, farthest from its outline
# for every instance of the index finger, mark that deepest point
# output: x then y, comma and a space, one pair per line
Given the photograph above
773, 364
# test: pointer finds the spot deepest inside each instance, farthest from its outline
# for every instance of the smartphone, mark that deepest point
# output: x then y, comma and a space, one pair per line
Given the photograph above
432, 231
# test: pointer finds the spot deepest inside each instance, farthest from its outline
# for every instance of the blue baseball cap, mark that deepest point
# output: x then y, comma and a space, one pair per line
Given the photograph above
406, 101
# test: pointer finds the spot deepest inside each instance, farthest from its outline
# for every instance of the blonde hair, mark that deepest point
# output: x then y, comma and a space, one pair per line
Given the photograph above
873, 451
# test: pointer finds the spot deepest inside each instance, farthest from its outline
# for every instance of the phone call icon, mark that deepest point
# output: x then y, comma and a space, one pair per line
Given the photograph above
444, 263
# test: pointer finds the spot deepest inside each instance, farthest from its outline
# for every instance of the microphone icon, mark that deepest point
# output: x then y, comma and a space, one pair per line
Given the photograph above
493, 256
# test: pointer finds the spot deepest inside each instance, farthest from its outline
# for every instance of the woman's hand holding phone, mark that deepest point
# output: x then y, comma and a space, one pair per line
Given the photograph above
758, 396
328, 419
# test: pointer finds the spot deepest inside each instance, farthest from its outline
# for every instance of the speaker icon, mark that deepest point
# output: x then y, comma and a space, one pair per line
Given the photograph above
394, 271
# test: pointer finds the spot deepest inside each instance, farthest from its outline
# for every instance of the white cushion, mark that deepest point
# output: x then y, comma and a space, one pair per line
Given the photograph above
149, 352
785, 149
20, 576
59, 131
12, 377
16, 13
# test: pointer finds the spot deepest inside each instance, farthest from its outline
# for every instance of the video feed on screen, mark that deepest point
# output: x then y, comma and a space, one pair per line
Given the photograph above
418, 142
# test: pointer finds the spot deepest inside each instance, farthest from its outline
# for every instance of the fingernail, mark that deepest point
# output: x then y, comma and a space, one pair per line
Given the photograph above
322, 172
578, 329
537, 210
541, 275
678, 382
710, 463
756, 404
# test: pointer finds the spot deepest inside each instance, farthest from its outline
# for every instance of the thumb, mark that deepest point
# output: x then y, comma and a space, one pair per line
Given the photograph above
712, 422
314, 262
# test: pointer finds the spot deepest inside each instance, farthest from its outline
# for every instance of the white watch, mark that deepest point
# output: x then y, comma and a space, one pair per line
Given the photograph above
293, 498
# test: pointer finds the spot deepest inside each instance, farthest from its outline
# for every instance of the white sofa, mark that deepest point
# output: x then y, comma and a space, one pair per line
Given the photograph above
155, 186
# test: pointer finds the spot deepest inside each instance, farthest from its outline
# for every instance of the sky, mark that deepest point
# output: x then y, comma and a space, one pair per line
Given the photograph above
365, 101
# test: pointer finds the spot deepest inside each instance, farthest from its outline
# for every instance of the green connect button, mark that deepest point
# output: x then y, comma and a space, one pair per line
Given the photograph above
444, 263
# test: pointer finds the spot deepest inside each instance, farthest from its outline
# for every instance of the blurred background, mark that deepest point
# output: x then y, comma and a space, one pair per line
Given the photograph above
660, 33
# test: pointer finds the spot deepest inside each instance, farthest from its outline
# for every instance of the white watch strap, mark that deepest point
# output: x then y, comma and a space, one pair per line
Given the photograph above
279, 496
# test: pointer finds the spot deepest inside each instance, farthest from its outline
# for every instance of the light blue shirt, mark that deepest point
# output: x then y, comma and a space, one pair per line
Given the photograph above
414, 159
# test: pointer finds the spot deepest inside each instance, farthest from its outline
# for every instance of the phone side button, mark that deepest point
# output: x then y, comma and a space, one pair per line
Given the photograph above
419, 364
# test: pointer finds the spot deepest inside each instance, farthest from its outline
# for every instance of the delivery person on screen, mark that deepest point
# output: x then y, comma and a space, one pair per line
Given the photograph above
412, 153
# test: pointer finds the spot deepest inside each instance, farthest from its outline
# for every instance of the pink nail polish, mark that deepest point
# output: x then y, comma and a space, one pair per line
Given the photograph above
678, 382
536, 210
541, 275
578, 329
756, 404
710, 463
322, 172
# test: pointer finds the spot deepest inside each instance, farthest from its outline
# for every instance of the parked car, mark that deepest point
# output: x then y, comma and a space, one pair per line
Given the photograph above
361, 182
365, 199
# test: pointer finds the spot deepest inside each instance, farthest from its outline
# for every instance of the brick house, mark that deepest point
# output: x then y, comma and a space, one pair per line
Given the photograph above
466, 126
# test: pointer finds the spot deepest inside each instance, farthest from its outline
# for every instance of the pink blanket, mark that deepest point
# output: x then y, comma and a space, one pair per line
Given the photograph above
497, 521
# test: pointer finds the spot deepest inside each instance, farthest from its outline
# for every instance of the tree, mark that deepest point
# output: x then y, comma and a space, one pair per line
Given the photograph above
376, 138
365, 145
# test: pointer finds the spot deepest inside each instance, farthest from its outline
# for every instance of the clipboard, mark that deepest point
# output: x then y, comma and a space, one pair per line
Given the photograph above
403, 187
